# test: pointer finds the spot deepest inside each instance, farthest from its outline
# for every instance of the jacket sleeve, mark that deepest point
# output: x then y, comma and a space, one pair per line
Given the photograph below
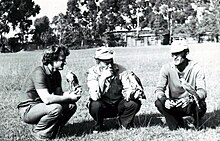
162, 83
201, 84
132, 87
93, 84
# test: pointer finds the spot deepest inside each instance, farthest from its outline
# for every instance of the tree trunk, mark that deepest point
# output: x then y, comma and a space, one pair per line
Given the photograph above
216, 37
22, 41
199, 39
82, 43
2, 45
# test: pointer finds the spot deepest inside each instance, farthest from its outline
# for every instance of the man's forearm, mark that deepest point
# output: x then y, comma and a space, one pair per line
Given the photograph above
58, 99
161, 96
101, 82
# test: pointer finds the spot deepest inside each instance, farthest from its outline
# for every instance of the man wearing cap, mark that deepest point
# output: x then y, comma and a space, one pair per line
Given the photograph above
186, 85
106, 83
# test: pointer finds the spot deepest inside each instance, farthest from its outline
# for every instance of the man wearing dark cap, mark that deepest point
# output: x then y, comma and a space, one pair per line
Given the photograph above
110, 92
186, 85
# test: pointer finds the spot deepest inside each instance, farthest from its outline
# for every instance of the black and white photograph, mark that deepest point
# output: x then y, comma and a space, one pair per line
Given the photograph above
109, 70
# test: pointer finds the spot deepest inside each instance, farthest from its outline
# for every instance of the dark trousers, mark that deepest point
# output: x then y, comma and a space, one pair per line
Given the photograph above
126, 110
174, 116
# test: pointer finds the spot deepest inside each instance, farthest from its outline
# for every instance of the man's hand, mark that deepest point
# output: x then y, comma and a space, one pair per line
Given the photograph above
169, 104
183, 81
74, 97
95, 97
183, 102
191, 90
106, 73
78, 90
137, 94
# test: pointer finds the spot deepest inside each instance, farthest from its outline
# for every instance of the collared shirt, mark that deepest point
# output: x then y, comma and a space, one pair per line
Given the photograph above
40, 78
170, 76
112, 91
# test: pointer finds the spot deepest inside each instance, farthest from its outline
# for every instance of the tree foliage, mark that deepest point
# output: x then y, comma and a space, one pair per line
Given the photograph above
211, 18
88, 23
43, 33
17, 13
90, 20
94, 18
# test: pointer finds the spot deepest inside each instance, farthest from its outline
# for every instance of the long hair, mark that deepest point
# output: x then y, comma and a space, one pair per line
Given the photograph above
53, 53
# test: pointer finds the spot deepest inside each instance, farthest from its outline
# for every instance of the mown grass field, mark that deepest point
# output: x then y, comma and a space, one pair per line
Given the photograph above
145, 62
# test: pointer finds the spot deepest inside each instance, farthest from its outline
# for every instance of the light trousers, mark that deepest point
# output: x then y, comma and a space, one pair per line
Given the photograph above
47, 119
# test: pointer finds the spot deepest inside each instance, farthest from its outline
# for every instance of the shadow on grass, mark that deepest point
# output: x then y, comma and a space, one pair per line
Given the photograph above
210, 120
85, 127
146, 120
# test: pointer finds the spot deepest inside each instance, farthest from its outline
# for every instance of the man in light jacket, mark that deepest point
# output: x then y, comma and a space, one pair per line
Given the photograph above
111, 94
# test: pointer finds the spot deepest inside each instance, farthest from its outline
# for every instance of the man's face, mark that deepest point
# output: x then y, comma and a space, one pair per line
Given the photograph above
106, 64
178, 57
60, 63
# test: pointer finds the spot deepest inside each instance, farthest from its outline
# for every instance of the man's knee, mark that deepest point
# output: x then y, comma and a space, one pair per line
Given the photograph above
55, 109
201, 111
158, 104
203, 108
132, 105
136, 104
95, 105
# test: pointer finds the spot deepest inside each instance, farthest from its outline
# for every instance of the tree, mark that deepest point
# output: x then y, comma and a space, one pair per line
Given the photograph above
210, 23
94, 18
90, 20
66, 30
4, 27
17, 14
43, 32
82, 21
60, 25
124, 13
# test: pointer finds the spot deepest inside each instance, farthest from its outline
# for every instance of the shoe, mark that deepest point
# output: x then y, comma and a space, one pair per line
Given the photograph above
122, 127
39, 137
98, 129
129, 126
56, 134
95, 131
125, 128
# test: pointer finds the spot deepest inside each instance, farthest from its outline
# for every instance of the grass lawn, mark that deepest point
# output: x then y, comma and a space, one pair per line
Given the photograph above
145, 62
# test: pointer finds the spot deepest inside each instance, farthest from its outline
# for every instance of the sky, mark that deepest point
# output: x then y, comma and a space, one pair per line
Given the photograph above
50, 8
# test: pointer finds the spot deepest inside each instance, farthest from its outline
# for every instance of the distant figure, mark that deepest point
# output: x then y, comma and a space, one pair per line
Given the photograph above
43, 103
186, 85
113, 91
